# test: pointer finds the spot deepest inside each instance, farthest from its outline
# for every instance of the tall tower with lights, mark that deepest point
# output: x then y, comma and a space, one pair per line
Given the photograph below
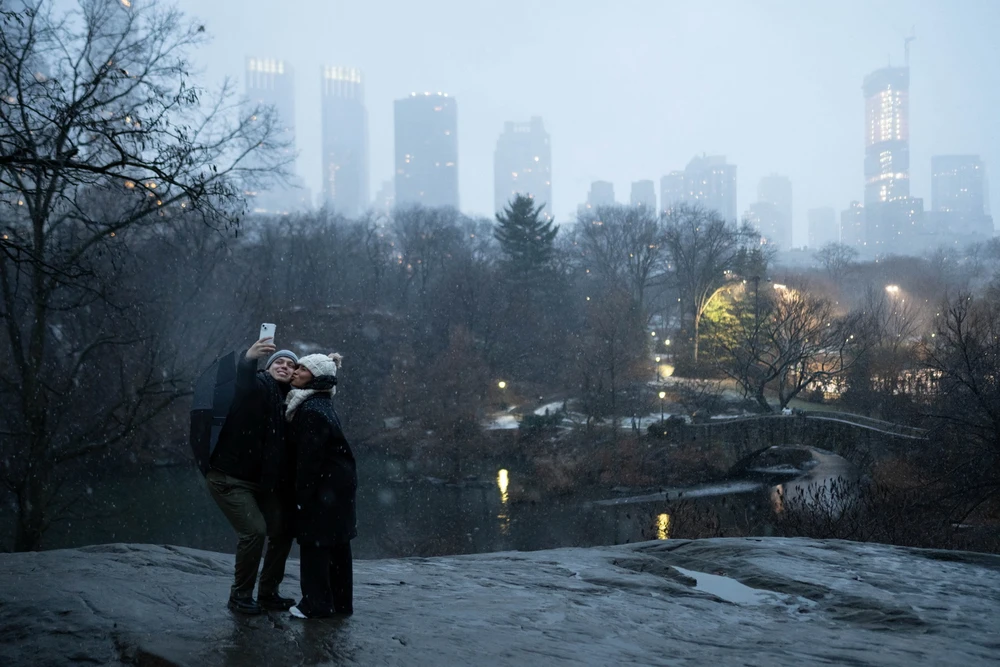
426, 150
345, 140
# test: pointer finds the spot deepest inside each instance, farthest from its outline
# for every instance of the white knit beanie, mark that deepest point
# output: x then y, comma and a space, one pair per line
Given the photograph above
323, 369
324, 372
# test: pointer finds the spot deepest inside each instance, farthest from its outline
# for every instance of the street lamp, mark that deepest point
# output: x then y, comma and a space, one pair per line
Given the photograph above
663, 395
892, 289
502, 384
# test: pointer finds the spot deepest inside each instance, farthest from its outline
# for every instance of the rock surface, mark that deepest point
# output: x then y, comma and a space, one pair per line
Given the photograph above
676, 602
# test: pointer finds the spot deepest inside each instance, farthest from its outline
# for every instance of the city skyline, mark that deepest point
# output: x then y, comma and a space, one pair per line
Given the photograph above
797, 80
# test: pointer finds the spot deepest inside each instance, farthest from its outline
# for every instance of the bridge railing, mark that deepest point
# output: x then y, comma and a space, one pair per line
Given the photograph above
882, 426
891, 428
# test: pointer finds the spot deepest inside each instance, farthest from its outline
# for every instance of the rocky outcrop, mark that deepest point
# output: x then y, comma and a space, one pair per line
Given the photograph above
709, 602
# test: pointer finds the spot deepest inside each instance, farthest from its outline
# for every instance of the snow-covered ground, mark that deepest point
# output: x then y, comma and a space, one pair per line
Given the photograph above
765, 601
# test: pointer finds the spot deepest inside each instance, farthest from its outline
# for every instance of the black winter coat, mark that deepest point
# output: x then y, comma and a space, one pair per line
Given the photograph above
251, 443
326, 479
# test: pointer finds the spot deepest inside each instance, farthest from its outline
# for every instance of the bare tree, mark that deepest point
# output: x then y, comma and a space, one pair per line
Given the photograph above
378, 251
965, 355
104, 141
887, 331
624, 246
425, 239
706, 254
785, 340
610, 353
836, 259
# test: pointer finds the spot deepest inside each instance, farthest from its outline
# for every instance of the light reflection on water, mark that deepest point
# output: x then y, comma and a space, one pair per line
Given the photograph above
663, 527
503, 481
778, 498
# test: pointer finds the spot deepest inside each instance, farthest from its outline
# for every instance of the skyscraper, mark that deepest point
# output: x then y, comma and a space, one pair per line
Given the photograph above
345, 140
887, 157
644, 194
958, 183
385, 198
522, 164
426, 150
673, 190
823, 227
271, 83
776, 191
707, 181
958, 196
602, 193
711, 183
852, 225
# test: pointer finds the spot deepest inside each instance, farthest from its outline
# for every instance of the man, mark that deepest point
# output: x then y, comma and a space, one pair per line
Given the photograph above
250, 477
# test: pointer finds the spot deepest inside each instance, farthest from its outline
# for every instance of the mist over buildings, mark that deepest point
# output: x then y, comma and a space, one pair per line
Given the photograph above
767, 110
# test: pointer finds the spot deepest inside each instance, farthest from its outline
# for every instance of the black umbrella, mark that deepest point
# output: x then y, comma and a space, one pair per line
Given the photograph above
213, 394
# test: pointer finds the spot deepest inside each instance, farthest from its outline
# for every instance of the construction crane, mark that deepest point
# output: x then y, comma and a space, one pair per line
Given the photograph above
906, 47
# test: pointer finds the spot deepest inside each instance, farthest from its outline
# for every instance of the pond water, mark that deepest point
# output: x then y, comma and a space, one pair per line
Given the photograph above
422, 517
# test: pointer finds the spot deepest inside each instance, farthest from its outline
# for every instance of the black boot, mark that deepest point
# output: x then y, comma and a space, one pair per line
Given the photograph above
275, 602
245, 606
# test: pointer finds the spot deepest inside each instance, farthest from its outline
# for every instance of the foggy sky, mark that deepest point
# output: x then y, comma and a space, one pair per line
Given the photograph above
631, 90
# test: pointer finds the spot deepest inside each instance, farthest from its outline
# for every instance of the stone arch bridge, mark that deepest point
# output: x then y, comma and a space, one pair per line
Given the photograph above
861, 440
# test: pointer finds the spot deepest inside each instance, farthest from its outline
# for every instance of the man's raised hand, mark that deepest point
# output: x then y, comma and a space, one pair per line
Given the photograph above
262, 348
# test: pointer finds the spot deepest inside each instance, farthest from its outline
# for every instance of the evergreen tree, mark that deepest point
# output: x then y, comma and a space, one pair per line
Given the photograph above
532, 316
526, 239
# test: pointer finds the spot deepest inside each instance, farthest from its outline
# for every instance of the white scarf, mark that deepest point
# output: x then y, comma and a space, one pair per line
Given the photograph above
297, 397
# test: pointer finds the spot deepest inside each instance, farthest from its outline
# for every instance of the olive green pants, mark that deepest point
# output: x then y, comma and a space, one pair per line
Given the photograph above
255, 515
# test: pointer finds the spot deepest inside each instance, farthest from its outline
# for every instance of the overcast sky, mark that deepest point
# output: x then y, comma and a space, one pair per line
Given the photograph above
633, 89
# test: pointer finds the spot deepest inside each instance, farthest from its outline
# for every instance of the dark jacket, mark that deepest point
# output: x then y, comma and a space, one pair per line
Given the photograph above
326, 478
251, 443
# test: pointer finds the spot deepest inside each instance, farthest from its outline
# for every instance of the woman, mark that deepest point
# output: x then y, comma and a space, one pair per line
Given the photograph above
326, 482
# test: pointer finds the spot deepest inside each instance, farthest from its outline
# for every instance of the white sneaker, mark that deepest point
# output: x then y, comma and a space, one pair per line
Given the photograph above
296, 612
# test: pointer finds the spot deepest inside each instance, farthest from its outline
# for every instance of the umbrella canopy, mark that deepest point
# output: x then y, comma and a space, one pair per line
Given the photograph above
213, 394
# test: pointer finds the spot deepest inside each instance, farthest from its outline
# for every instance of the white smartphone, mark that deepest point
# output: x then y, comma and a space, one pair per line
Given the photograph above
266, 331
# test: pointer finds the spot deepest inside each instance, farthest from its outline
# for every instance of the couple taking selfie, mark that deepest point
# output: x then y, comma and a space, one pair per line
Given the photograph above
282, 470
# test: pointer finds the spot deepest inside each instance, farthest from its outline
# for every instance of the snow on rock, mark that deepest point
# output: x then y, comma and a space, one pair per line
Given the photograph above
764, 601
549, 408
704, 491
502, 422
